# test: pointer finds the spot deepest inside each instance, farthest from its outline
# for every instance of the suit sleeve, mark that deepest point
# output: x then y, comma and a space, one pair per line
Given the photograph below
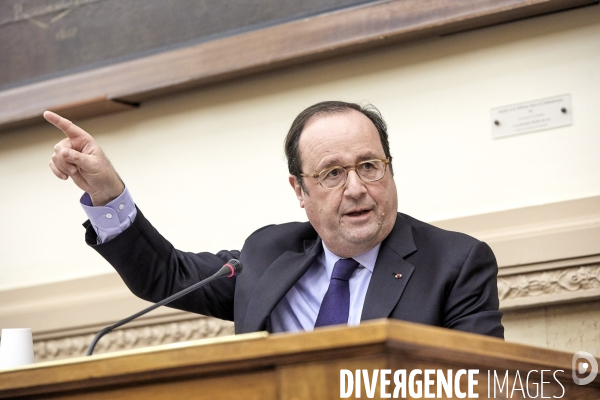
153, 269
472, 305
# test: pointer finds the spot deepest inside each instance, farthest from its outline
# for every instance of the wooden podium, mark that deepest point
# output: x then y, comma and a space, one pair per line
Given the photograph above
296, 366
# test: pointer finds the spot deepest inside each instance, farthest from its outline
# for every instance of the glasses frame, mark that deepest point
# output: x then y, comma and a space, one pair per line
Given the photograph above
348, 168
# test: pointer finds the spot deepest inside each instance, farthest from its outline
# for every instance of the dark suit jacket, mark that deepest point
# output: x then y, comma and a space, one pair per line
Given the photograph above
448, 279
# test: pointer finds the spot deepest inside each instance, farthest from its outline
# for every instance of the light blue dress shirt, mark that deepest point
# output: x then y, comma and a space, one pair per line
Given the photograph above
298, 309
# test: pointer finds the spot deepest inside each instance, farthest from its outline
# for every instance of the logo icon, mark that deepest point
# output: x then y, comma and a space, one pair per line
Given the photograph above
583, 363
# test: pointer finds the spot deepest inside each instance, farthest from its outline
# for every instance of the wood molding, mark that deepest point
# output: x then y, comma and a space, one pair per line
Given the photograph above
528, 238
132, 338
113, 88
549, 287
547, 254
78, 307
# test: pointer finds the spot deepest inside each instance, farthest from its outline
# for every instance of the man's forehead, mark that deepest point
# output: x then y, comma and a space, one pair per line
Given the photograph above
329, 134
341, 114
322, 125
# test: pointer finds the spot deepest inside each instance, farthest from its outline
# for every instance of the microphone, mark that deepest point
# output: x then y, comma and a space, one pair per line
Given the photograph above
232, 268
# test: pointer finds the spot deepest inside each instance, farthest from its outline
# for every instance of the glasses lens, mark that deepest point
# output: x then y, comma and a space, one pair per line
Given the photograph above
333, 177
371, 170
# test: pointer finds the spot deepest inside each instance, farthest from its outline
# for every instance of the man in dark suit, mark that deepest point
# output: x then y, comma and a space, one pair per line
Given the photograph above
356, 259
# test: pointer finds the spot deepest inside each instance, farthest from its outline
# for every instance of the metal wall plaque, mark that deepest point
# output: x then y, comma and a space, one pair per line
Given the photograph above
532, 116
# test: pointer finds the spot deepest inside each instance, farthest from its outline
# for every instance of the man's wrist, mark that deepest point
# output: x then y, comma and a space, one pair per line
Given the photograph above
102, 198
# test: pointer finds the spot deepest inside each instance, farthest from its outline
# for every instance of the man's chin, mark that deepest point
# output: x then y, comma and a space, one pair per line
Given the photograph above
366, 237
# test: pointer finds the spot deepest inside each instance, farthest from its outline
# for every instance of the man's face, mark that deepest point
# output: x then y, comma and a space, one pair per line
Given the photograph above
354, 218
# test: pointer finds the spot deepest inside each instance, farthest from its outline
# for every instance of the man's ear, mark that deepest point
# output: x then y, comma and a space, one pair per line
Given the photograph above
297, 189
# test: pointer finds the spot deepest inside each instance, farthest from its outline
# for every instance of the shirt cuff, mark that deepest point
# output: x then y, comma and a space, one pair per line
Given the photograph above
112, 219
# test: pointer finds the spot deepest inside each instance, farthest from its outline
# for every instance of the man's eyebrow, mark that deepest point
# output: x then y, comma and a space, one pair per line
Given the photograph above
367, 156
333, 162
329, 163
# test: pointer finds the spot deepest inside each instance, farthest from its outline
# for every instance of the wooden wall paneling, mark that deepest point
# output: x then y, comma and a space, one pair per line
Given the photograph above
347, 30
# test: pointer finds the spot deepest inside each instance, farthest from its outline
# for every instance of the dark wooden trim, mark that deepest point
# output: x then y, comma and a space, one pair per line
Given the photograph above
355, 29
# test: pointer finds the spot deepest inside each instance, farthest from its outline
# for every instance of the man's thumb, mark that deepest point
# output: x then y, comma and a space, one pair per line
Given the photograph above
83, 161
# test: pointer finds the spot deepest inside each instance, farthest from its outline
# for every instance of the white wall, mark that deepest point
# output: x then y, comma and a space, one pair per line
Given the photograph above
207, 167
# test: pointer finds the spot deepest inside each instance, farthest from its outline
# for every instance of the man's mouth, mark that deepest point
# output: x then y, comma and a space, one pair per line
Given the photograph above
357, 213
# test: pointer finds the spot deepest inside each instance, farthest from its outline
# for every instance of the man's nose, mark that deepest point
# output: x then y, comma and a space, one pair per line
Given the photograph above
354, 187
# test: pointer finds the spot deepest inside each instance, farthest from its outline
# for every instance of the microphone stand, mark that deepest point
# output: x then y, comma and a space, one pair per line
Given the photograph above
232, 268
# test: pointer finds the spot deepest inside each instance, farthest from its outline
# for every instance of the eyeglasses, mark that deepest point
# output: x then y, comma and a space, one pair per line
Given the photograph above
335, 177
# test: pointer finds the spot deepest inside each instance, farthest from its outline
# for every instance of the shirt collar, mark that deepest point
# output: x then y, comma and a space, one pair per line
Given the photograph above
366, 259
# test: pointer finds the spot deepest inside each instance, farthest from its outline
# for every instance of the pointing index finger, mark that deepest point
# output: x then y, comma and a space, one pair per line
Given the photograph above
70, 129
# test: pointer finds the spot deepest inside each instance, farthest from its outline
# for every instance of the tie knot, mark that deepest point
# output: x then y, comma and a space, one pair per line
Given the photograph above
344, 268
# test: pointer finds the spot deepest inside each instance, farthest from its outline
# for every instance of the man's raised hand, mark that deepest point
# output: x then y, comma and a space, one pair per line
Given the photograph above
78, 156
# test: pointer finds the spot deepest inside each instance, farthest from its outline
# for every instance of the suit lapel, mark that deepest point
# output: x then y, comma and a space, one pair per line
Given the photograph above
276, 281
385, 289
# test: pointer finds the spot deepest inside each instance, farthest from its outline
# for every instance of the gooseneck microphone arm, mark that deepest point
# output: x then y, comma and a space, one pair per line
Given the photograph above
232, 268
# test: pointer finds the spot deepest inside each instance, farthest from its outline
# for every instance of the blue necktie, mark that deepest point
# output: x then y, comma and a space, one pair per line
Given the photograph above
335, 307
